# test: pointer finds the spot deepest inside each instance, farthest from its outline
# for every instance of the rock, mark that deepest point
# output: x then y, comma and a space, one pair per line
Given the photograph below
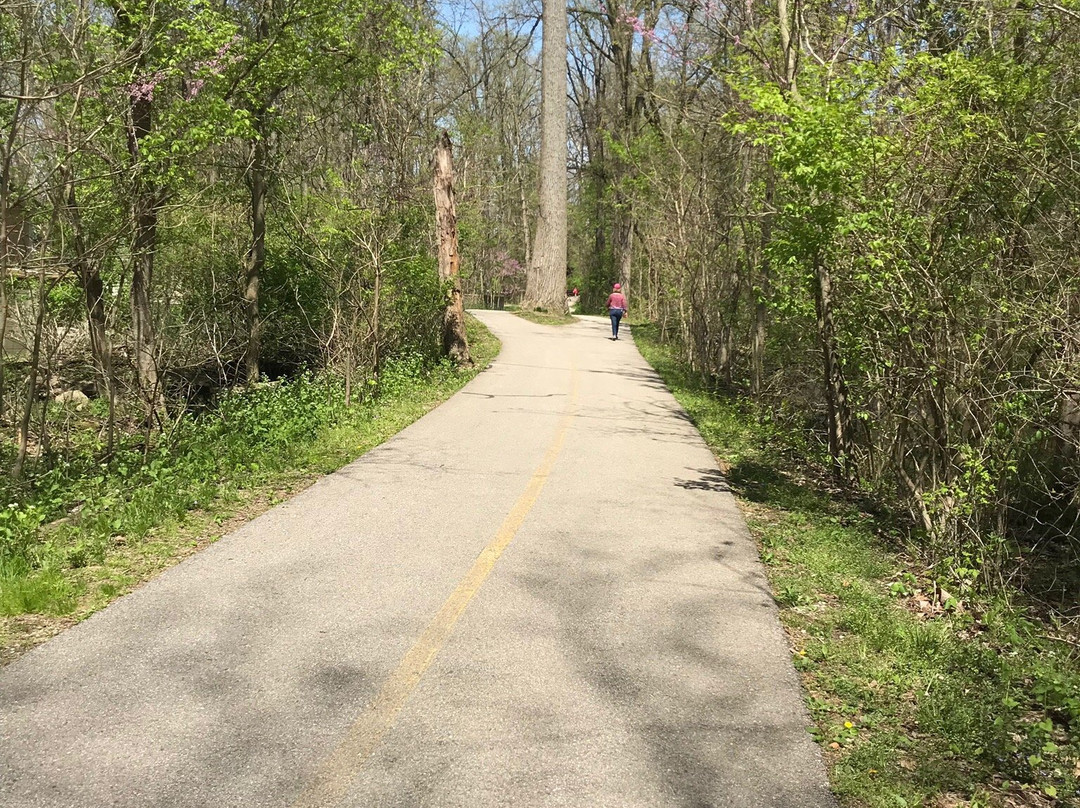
15, 350
76, 397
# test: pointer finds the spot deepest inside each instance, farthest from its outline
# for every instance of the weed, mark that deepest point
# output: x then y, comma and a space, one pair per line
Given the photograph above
84, 532
922, 689
544, 317
43, 591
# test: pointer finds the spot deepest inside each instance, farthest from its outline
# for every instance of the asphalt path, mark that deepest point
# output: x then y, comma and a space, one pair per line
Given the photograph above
540, 594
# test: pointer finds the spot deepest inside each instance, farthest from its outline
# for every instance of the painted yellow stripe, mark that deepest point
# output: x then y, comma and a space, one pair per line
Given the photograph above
336, 774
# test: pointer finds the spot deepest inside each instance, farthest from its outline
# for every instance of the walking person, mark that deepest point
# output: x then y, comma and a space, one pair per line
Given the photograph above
616, 306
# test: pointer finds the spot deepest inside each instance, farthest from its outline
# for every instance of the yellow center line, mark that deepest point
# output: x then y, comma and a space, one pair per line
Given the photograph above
335, 775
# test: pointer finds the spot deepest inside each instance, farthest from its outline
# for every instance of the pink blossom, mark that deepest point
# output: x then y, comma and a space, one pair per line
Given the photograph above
508, 267
215, 66
638, 27
217, 63
143, 88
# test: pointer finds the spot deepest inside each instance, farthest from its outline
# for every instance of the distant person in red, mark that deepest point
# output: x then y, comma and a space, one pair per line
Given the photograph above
616, 306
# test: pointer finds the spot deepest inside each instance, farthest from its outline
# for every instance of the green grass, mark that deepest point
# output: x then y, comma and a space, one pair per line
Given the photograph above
87, 533
542, 317
916, 698
25, 591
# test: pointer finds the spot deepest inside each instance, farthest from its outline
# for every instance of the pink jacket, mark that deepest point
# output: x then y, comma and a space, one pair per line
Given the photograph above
617, 300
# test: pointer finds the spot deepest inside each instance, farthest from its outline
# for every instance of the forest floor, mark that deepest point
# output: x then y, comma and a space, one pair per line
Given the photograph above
924, 691
88, 562
543, 317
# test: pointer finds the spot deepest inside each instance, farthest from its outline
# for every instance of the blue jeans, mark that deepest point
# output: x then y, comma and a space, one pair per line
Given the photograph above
616, 316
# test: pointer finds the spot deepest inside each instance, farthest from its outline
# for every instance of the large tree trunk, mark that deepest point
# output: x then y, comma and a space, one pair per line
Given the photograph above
258, 173
256, 255
545, 280
376, 322
789, 43
7, 248
3, 318
835, 388
23, 438
5, 258
761, 303
632, 88
624, 125
94, 298
525, 220
790, 64
144, 216
622, 241
454, 343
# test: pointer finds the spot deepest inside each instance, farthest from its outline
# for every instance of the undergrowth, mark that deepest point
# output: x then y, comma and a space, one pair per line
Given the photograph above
543, 317
923, 688
82, 532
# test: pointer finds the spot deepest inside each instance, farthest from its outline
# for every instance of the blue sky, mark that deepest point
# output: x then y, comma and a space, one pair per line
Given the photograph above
463, 15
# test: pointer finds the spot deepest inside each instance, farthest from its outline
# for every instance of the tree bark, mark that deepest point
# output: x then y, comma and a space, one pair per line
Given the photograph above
632, 102
545, 279
3, 315
255, 259
94, 299
835, 388
761, 301
6, 248
622, 240
144, 217
5, 258
788, 44
454, 343
376, 322
525, 220
31, 382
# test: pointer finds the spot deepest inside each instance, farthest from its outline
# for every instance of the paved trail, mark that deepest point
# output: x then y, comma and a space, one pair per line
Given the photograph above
541, 594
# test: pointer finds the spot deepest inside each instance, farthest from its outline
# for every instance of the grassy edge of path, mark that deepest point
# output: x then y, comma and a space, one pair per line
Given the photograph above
541, 317
919, 696
61, 594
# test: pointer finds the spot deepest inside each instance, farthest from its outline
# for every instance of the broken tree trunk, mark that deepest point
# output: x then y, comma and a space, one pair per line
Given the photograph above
454, 343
